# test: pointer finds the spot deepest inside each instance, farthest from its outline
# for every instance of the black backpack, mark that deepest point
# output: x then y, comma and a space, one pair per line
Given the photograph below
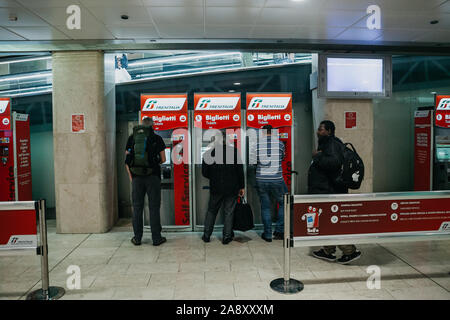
352, 169
144, 158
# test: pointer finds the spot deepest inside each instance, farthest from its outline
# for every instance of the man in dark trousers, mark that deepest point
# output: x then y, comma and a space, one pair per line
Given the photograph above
323, 171
226, 182
145, 152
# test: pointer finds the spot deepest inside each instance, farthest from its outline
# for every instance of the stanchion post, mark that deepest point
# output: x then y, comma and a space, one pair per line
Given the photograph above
287, 285
47, 292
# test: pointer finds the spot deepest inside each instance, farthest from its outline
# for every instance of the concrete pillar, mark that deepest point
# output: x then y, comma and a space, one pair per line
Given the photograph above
85, 166
361, 137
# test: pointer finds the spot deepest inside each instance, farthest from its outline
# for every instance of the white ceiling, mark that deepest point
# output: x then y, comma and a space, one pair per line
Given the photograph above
402, 20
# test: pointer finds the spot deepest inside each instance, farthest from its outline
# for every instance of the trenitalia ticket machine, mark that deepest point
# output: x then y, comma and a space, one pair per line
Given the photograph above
432, 146
212, 112
441, 168
170, 116
15, 157
273, 109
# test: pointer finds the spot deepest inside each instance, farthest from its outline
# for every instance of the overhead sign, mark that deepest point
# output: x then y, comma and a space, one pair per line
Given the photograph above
217, 110
273, 109
443, 111
5, 114
168, 111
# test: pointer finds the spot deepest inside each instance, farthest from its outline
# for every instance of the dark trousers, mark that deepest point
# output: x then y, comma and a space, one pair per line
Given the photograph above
150, 185
215, 202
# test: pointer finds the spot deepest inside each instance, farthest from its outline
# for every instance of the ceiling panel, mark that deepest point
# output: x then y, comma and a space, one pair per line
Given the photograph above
445, 8
111, 15
39, 33
434, 36
360, 34
179, 15
8, 4
385, 5
5, 35
181, 31
400, 34
24, 18
47, 3
238, 32
134, 32
227, 15
173, 3
285, 32
403, 21
309, 5
286, 16
235, 3
318, 32
110, 3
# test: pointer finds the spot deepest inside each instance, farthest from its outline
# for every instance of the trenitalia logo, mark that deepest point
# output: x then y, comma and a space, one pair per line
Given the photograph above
444, 104
3, 105
163, 104
269, 103
217, 103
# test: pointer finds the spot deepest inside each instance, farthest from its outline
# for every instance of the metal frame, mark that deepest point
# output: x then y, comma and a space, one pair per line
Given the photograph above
47, 292
16, 178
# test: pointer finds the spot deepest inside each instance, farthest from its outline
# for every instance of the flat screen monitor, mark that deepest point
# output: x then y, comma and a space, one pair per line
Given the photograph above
354, 76
443, 152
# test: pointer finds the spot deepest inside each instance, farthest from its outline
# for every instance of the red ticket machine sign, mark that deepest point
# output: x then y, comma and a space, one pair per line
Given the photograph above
219, 111
15, 160
423, 131
169, 112
273, 109
5, 114
366, 216
443, 111
18, 229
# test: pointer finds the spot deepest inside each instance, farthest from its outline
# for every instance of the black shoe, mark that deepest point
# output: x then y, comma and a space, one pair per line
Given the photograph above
206, 239
278, 235
347, 258
321, 254
135, 242
227, 240
160, 241
265, 239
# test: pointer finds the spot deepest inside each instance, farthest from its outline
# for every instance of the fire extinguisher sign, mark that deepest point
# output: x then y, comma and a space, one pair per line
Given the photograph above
78, 123
443, 111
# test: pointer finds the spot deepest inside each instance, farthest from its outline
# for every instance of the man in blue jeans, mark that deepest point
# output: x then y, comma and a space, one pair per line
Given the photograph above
268, 154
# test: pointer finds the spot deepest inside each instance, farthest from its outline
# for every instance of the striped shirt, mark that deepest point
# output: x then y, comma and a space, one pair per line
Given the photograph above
268, 154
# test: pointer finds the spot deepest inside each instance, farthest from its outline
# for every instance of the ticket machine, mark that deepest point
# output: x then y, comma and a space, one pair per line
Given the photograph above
15, 156
212, 112
273, 109
170, 117
441, 168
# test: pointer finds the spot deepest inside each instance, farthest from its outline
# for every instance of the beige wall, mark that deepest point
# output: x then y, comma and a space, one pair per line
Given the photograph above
85, 167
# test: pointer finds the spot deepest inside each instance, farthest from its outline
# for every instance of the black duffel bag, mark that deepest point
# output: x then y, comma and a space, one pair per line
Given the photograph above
243, 216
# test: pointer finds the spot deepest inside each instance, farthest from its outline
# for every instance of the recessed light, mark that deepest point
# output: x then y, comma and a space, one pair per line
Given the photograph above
237, 83
124, 17
231, 90
434, 21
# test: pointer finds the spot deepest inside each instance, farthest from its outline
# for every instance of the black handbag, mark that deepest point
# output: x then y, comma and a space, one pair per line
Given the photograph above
243, 216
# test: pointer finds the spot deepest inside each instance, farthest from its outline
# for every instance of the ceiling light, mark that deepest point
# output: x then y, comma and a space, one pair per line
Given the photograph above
26, 59
237, 83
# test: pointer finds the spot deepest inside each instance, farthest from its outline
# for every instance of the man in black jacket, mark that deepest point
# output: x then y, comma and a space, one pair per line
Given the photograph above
323, 171
226, 182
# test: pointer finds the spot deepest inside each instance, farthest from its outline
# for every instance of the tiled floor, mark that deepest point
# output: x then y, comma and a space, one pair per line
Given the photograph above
186, 268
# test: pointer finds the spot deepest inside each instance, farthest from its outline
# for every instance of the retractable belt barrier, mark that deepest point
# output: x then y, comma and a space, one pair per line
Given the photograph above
18, 231
360, 218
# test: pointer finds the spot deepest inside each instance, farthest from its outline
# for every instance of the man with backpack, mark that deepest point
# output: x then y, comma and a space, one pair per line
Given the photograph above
145, 152
324, 177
